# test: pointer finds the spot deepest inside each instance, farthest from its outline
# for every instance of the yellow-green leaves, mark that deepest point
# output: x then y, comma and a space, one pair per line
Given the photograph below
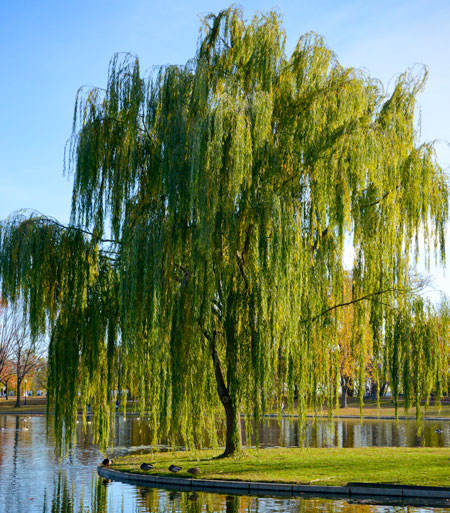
230, 186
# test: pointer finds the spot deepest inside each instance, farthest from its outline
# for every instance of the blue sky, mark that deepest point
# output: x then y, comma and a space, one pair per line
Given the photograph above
52, 47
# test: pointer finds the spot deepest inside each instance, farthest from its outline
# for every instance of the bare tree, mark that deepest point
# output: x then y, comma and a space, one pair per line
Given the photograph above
7, 329
6, 377
22, 352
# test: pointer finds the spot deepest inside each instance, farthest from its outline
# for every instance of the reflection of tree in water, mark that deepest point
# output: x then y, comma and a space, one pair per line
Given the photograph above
67, 500
161, 501
152, 500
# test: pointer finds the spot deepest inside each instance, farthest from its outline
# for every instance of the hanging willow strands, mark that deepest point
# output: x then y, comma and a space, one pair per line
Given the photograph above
230, 186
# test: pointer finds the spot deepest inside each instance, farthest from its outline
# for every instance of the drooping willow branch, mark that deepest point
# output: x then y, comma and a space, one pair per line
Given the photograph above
231, 186
366, 297
51, 220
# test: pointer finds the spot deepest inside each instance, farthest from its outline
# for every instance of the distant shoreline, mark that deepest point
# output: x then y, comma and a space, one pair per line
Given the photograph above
20, 411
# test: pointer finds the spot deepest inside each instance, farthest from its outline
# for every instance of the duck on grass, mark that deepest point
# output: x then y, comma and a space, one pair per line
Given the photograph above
422, 466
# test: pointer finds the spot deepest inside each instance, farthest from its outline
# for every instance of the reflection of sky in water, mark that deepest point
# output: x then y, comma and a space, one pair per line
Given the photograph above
33, 480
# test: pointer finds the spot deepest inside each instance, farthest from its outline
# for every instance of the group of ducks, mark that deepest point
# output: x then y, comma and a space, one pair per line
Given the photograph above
195, 471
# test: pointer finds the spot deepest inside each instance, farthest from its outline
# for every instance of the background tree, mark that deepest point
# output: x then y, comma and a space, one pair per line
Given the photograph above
229, 186
6, 342
7, 376
353, 372
40, 375
25, 353
360, 371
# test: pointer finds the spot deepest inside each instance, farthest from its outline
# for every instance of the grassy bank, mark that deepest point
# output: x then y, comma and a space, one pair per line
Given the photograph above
387, 409
34, 404
402, 466
39, 404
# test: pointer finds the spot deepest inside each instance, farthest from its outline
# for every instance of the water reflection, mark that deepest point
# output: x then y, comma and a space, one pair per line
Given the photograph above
32, 479
322, 433
352, 433
153, 500
67, 499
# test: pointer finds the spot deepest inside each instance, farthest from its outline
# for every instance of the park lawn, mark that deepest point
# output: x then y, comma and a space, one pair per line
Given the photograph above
422, 466
34, 405
369, 410
387, 409
39, 405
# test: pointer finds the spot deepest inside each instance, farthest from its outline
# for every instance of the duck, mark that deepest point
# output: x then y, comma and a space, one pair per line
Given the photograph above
147, 466
195, 471
175, 468
439, 431
107, 462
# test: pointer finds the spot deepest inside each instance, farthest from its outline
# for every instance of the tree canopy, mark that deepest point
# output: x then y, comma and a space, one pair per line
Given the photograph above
203, 264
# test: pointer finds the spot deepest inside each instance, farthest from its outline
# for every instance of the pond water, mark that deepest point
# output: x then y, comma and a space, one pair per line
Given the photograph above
33, 480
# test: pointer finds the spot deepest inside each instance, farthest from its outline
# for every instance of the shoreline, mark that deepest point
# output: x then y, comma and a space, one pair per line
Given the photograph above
266, 415
312, 466
369, 490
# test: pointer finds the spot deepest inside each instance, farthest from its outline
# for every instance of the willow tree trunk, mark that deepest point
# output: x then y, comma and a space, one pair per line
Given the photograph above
233, 442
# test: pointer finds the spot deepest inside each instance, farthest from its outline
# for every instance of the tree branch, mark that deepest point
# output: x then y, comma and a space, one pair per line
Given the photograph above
186, 274
241, 268
385, 195
76, 228
370, 296
320, 238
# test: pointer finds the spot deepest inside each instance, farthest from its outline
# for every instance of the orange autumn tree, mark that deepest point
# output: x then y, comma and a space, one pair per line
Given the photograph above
354, 346
6, 342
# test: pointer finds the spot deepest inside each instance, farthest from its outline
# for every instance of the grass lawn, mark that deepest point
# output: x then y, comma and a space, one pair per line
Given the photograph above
403, 466
39, 405
34, 404
387, 409
369, 409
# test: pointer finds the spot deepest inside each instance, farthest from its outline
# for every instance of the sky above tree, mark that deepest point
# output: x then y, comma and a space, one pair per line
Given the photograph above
51, 48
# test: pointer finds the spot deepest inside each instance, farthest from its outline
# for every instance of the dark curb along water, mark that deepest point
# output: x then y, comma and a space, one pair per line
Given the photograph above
390, 492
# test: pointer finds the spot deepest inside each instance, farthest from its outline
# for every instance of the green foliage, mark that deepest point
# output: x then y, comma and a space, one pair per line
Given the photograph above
229, 186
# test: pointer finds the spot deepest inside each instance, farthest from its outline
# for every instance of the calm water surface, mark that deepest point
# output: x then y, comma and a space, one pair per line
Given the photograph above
33, 480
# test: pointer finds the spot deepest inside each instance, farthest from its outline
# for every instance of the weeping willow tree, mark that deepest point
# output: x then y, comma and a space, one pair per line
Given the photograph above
203, 264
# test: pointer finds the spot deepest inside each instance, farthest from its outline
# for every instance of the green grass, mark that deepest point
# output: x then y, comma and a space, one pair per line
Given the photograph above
401, 466
34, 404
387, 409
369, 409
39, 405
